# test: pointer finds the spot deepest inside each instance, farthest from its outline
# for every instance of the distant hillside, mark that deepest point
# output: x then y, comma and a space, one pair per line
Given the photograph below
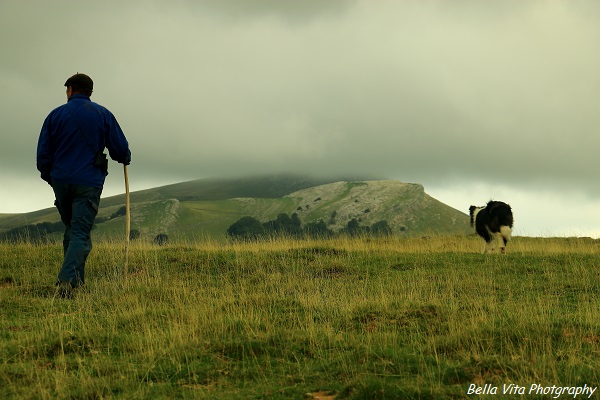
405, 206
272, 186
208, 207
6, 216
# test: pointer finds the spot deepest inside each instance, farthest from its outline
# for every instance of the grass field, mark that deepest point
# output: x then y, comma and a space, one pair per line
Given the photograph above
344, 318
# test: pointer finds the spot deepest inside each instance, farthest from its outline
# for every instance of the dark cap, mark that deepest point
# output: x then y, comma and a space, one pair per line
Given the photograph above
80, 81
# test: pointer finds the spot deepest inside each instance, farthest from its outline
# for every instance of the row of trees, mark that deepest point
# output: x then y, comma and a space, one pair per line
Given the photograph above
290, 225
245, 228
39, 233
34, 233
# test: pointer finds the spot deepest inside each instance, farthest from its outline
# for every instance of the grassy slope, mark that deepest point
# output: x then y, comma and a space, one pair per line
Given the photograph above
9, 221
357, 319
192, 219
203, 190
212, 218
209, 207
221, 189
401, 204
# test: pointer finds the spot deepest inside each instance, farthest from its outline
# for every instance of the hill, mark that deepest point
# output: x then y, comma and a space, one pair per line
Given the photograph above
272, 186
203, 208
405, 206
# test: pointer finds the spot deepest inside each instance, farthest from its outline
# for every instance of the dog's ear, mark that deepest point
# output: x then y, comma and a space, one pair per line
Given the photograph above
471, 209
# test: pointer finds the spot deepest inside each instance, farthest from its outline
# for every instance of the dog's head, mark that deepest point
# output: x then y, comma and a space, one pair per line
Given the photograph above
473, 210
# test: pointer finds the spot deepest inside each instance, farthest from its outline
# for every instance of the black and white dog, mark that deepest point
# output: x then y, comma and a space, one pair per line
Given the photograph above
493, 220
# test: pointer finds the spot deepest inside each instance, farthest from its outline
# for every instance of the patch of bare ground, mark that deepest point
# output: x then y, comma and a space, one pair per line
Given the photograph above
321, 395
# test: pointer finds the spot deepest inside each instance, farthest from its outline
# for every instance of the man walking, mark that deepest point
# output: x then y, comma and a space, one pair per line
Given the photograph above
70, 158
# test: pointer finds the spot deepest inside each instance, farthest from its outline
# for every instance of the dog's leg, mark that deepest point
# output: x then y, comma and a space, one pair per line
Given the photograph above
491, 242
504, 237
501, 242
487, 247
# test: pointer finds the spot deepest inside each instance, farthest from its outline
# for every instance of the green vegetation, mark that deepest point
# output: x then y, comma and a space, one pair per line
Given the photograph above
352, 318
36, 233
207, 208
270, 186
250, 228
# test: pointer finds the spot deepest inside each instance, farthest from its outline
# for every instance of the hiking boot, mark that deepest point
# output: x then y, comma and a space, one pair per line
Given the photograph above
65, 290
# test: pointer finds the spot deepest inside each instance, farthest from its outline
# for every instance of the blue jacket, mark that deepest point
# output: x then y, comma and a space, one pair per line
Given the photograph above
72, 135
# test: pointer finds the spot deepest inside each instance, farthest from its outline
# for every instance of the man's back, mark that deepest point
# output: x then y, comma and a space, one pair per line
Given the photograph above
72, 136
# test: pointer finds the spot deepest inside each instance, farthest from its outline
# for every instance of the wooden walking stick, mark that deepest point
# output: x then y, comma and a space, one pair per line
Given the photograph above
127, 220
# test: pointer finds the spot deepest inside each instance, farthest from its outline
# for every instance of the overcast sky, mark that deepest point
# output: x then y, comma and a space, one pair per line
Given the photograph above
473, 99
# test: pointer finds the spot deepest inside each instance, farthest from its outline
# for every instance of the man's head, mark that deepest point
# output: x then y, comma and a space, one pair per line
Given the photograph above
80, 83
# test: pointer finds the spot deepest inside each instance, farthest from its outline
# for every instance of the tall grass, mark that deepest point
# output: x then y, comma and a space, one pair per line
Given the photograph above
355, 318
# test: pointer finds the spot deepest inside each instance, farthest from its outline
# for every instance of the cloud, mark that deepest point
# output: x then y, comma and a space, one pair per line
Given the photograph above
441, 93
289, 10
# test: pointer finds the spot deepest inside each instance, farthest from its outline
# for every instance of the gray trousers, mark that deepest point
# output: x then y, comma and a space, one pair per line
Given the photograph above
77, 206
